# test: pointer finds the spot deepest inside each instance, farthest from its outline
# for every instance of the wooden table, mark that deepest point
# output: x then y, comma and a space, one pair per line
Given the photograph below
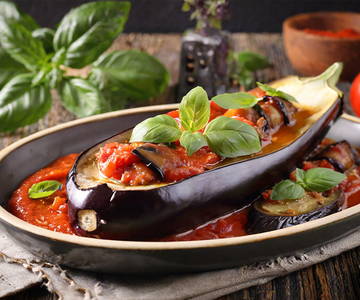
335, 278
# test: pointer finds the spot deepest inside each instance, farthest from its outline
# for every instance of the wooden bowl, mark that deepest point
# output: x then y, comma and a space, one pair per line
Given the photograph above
311, 54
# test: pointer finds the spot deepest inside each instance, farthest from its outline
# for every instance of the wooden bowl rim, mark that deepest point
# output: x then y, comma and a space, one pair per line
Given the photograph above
288, 25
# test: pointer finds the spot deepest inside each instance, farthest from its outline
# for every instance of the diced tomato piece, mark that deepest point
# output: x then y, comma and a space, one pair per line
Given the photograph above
216, 110
242, 119
113, 159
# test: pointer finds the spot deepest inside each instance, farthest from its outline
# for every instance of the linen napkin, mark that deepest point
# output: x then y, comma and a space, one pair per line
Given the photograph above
20, 270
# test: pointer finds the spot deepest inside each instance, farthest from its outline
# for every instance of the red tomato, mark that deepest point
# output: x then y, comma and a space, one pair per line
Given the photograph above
355, 95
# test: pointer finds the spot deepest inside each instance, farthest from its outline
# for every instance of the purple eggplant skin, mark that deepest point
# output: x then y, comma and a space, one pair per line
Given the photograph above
172, 208
259, 221
341, 155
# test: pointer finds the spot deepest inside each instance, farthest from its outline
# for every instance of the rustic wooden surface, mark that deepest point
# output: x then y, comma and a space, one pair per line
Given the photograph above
335, 278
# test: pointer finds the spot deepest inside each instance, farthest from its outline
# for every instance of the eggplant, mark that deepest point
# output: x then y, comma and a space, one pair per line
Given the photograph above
341, 155
151, 211
265, 216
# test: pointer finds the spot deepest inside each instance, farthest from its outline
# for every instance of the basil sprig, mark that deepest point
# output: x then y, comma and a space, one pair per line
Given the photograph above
34, 60
225, 136
274, 92
246, 100
316, 179
44, 189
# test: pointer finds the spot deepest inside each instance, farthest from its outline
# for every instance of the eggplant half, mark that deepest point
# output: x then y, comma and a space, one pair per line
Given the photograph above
265, 216
100, 207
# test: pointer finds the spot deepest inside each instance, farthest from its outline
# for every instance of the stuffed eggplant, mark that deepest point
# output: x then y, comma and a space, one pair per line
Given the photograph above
103, 207
266, 215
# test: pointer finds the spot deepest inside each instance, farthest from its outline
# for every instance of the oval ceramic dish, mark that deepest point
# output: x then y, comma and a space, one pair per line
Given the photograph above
34, 152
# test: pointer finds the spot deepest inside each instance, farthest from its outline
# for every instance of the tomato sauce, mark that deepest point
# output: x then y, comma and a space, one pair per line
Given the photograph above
49, 212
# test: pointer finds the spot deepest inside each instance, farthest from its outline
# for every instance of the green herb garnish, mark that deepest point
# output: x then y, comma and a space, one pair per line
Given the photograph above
34, 60
275, 93
44, 189
225, 136
316, 179
246, 100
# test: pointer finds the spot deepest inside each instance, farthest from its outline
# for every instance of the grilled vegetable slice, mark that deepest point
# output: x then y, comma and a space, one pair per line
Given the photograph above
341, 155
271, 215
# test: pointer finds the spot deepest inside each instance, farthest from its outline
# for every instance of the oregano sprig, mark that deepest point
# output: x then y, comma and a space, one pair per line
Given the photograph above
246, 100
316, 179
225, 136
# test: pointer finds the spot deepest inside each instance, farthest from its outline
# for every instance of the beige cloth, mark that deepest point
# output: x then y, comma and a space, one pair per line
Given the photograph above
19, 270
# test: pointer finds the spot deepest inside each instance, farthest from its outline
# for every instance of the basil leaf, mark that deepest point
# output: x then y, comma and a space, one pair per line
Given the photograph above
82, 98
287, 189
10, 10
19, 43
22, 104
159, 129
46, 36
275, 93
322, 179
228, 137
88, 30
236, 100
192, 141
252, 61
44, 189
300, 174
9, 67
194, 109
54, 77
140, 74
116, 95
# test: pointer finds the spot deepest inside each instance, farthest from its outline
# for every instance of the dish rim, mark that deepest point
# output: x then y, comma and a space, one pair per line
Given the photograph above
8, 218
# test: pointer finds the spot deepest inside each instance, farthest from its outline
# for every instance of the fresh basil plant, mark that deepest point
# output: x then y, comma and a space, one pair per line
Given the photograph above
34, 60
225, 136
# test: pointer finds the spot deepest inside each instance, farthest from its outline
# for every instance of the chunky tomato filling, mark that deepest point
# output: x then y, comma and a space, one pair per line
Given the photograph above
118, 162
